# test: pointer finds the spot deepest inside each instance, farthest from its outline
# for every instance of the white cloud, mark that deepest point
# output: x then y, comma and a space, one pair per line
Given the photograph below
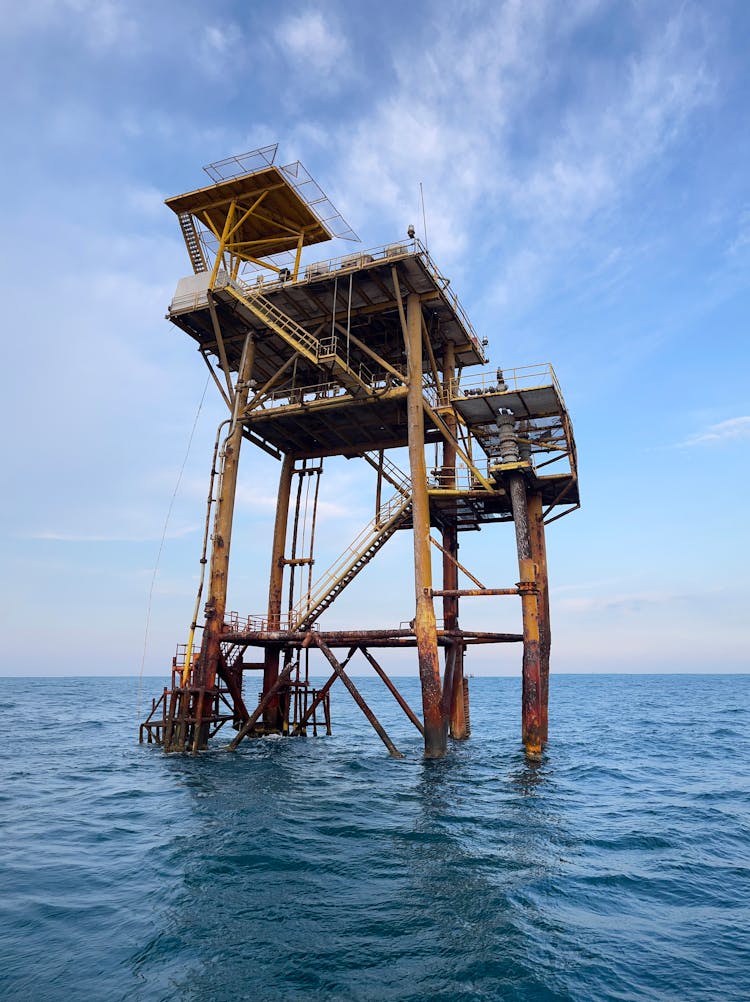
453, 118
146, 201
106, 23
742, 237
219, 47
632, 602
53, 535
220, 39
311, 38
101, 23
733, 430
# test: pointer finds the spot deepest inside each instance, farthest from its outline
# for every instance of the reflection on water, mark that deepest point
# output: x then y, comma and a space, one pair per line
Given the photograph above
531, 775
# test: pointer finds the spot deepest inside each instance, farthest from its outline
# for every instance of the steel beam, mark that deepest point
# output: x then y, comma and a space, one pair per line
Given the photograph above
357, 696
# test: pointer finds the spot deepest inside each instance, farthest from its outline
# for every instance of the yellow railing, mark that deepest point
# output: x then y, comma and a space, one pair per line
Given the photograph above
354, 557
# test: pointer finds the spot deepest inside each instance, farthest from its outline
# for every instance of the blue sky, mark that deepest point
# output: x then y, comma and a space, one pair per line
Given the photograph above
586, 181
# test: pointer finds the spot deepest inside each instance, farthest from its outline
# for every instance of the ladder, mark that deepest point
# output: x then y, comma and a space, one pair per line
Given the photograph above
192, 242
233, 654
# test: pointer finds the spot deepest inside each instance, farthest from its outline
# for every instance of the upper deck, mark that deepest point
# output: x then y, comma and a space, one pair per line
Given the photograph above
329, 366
353, 295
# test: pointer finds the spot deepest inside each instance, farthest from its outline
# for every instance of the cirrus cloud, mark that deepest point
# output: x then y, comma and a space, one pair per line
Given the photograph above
735, 429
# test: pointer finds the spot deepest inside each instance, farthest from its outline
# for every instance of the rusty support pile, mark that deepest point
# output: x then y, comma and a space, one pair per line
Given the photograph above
354, 357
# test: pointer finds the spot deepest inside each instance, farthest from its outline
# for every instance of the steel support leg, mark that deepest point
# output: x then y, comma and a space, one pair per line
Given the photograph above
221, 540
425, 627
454, 656
531, 700
539, 556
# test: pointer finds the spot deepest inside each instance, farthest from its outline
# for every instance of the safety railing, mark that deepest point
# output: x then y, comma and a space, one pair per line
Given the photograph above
500, 380
385, 253
463, 479
344, 264
393, 473
325, 391
235, 623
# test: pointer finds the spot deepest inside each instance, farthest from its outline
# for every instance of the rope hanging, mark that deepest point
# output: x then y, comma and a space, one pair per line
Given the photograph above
161, 544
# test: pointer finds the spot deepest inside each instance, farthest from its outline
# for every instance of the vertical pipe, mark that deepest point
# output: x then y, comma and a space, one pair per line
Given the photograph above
539, 556
222, 534
272, 713
425, 627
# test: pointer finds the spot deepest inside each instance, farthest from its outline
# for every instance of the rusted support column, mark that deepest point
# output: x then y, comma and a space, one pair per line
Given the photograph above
272, 714
222, 536
539, 556
425, 627
454, 655
531, 699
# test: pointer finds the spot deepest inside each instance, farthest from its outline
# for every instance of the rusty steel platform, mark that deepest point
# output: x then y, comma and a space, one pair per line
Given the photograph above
371, 356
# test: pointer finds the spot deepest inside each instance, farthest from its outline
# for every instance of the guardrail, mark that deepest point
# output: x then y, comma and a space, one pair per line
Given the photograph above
523, 377
343, 265
235, 623
346, 263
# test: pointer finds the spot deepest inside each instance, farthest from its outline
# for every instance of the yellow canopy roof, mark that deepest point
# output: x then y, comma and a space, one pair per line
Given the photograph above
268, 217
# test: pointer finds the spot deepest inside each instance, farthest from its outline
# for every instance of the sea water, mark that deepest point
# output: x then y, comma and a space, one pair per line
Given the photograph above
321, 869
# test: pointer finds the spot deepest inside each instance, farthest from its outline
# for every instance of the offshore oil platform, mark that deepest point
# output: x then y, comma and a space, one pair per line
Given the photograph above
355, 356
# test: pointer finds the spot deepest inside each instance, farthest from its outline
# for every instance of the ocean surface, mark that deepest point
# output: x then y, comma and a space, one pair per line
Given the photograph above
322, 869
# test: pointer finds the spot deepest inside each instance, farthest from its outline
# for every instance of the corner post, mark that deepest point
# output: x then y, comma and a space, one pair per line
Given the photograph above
531, 699
539, 556
425, 627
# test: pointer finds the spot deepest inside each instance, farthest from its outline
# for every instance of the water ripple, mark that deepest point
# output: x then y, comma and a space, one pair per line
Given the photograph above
616, 868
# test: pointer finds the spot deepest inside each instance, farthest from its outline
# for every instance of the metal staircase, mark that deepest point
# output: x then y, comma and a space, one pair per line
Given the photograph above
357, 555
389, 471
314, 350
192, 242
233, 654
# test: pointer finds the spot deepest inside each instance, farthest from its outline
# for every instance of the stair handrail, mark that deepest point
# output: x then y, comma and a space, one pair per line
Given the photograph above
388, 513
396, 475
314, 345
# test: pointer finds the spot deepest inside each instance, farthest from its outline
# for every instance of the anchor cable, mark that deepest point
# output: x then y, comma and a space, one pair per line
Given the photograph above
161, 544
